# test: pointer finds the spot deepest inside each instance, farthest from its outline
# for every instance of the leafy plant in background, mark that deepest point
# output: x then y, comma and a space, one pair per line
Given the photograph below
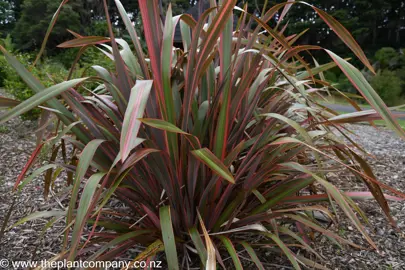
49, 71
8, 45
388, 86
389, 58
386, 57
217, 147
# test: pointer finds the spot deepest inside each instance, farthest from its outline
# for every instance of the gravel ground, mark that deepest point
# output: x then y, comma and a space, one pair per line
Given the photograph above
387, 158
17, 141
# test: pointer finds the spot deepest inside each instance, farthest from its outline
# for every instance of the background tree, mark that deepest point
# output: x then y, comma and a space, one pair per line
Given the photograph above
374, 24
6, 16
35, 16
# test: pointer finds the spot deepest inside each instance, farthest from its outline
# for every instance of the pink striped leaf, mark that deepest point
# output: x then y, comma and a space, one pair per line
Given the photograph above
136, 107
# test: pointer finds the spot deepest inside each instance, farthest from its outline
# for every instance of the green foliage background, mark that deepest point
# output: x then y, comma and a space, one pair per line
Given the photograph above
378, 26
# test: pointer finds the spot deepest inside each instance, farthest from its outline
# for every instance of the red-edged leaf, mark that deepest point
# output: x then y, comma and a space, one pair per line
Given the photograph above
153, 35
209, 159
194, 69
136, 106
28, 165
285, 10
124, 81
345, 36
84, 41
367, 91
355, 195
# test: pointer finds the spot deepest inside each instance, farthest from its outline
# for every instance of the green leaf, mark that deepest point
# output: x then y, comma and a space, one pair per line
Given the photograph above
84, 205
66, 116
223, 125
231, 250
166, 126
253, 255
129, 58
134, 37
199, 245
37, 215
39, 98
361, 84
136, 106
209, 159
316, 70
55, 140
166, 66
84, 41
86, 158
168, 237
290, 255
195, 67
163, 125
282, 191
345, 36
35, 174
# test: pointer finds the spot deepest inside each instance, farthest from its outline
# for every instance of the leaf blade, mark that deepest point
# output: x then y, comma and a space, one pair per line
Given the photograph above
168, 238
136, 106
209, 159
84, 205
8, 102
367, 91
39, 98
345, 36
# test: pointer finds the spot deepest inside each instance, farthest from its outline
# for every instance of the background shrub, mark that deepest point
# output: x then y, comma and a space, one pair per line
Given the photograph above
331, 76
401, 75
388, 86
3, 72
385, 56
345, 85
50, 71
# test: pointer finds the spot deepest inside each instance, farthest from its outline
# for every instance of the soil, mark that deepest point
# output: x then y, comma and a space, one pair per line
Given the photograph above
24, 242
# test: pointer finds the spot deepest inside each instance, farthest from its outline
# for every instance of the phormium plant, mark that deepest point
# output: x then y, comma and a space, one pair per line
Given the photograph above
217, 147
